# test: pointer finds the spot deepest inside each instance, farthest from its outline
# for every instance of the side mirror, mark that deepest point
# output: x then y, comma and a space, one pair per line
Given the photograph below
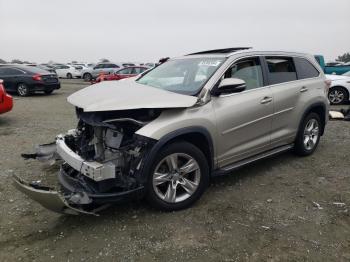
230, 85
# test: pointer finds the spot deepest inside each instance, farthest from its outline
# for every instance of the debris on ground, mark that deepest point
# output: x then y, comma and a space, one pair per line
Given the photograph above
317, 205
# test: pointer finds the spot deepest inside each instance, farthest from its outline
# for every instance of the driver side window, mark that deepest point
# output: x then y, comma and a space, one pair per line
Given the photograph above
249, 70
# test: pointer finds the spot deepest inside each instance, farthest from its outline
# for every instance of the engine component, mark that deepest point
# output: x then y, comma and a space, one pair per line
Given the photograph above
113, 139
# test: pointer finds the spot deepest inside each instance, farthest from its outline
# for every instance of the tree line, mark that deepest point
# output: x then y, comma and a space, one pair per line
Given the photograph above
18, 61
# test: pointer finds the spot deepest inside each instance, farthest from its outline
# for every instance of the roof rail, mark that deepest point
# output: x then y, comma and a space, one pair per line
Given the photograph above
221, 51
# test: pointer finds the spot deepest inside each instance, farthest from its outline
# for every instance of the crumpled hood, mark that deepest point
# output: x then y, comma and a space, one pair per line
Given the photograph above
127, 94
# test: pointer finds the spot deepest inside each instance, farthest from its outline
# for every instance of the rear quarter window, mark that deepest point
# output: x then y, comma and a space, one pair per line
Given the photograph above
305, 69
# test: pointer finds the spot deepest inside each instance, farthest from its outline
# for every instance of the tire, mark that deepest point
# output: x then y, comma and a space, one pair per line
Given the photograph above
48, 92
308, 135
69, 76
87, 77
23, 89
338, 95
189, 184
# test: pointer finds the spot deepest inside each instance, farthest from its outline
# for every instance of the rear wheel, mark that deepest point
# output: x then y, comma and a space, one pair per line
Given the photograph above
69, 76
338, 95
22, 89
308, 135
179, 176
87, 77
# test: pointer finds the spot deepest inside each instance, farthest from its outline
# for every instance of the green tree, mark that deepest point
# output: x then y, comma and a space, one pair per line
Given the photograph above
104, 60
2, 61
344, 58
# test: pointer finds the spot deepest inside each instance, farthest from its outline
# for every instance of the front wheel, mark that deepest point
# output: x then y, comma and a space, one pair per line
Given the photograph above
87, 77
69, 76
308, 135
178, 177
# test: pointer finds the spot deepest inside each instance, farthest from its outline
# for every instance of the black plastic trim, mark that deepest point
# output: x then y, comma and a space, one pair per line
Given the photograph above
307, 111
165, 139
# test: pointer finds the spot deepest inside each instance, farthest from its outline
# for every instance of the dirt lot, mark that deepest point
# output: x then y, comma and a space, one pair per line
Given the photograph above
265, 212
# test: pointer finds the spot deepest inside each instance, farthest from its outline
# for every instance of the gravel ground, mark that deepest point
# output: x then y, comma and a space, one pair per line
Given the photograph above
281, 209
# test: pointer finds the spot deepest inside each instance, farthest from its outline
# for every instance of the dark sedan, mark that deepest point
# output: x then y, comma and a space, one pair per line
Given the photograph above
25, 80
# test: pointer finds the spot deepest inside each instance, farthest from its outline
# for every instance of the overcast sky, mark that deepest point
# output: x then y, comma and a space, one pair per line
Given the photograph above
144, 31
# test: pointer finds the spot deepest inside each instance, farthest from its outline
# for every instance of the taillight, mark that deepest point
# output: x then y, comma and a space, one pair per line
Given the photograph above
2, 92
37, 77
328, 85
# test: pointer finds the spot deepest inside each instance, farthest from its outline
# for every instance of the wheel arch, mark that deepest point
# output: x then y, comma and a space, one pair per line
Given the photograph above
196, 135
342, 87
318, 108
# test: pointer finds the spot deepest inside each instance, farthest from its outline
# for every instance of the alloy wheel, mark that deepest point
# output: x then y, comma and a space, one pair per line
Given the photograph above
336, 96
311, 133
176, 177
22, 90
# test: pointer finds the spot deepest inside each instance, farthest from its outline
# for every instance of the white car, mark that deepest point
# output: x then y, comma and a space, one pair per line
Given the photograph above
340, 89
68, 71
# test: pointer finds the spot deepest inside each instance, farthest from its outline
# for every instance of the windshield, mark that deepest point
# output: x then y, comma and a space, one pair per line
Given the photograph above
185, 76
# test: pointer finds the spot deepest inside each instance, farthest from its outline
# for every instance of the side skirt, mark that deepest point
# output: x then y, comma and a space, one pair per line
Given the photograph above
229, 168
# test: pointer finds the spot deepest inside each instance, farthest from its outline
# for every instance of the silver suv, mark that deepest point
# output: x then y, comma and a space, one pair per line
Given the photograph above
164, 134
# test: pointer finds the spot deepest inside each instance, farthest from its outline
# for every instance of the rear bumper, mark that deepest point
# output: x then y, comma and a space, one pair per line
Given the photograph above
6, 103
45, 86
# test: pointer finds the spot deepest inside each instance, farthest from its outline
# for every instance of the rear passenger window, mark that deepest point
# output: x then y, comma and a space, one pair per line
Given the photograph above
281, 69
305, 69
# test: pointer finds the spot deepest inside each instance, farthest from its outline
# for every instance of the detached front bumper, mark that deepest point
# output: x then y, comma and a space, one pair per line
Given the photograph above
47, 197
80, 186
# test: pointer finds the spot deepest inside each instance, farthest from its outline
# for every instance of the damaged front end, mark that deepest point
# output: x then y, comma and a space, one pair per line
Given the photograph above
101, 162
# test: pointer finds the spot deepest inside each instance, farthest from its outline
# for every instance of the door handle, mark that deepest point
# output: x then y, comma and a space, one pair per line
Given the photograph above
303, 89
266, 99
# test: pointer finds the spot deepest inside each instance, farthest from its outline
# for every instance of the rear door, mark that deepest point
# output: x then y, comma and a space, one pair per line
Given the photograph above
290, 95
244, 119
11, 77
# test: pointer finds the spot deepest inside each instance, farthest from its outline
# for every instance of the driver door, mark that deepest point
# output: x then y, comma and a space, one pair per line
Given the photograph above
244, 119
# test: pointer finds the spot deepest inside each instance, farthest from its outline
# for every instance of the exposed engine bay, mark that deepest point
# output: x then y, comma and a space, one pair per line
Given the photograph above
100, 161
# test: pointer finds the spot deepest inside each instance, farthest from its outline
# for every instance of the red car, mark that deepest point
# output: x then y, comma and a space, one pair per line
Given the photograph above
126, 72
6, 102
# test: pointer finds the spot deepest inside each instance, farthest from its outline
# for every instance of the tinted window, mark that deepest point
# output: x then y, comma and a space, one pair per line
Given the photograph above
248, 70
138, 70
11, 71
281, 69
305, 68
125, 71
34, 70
